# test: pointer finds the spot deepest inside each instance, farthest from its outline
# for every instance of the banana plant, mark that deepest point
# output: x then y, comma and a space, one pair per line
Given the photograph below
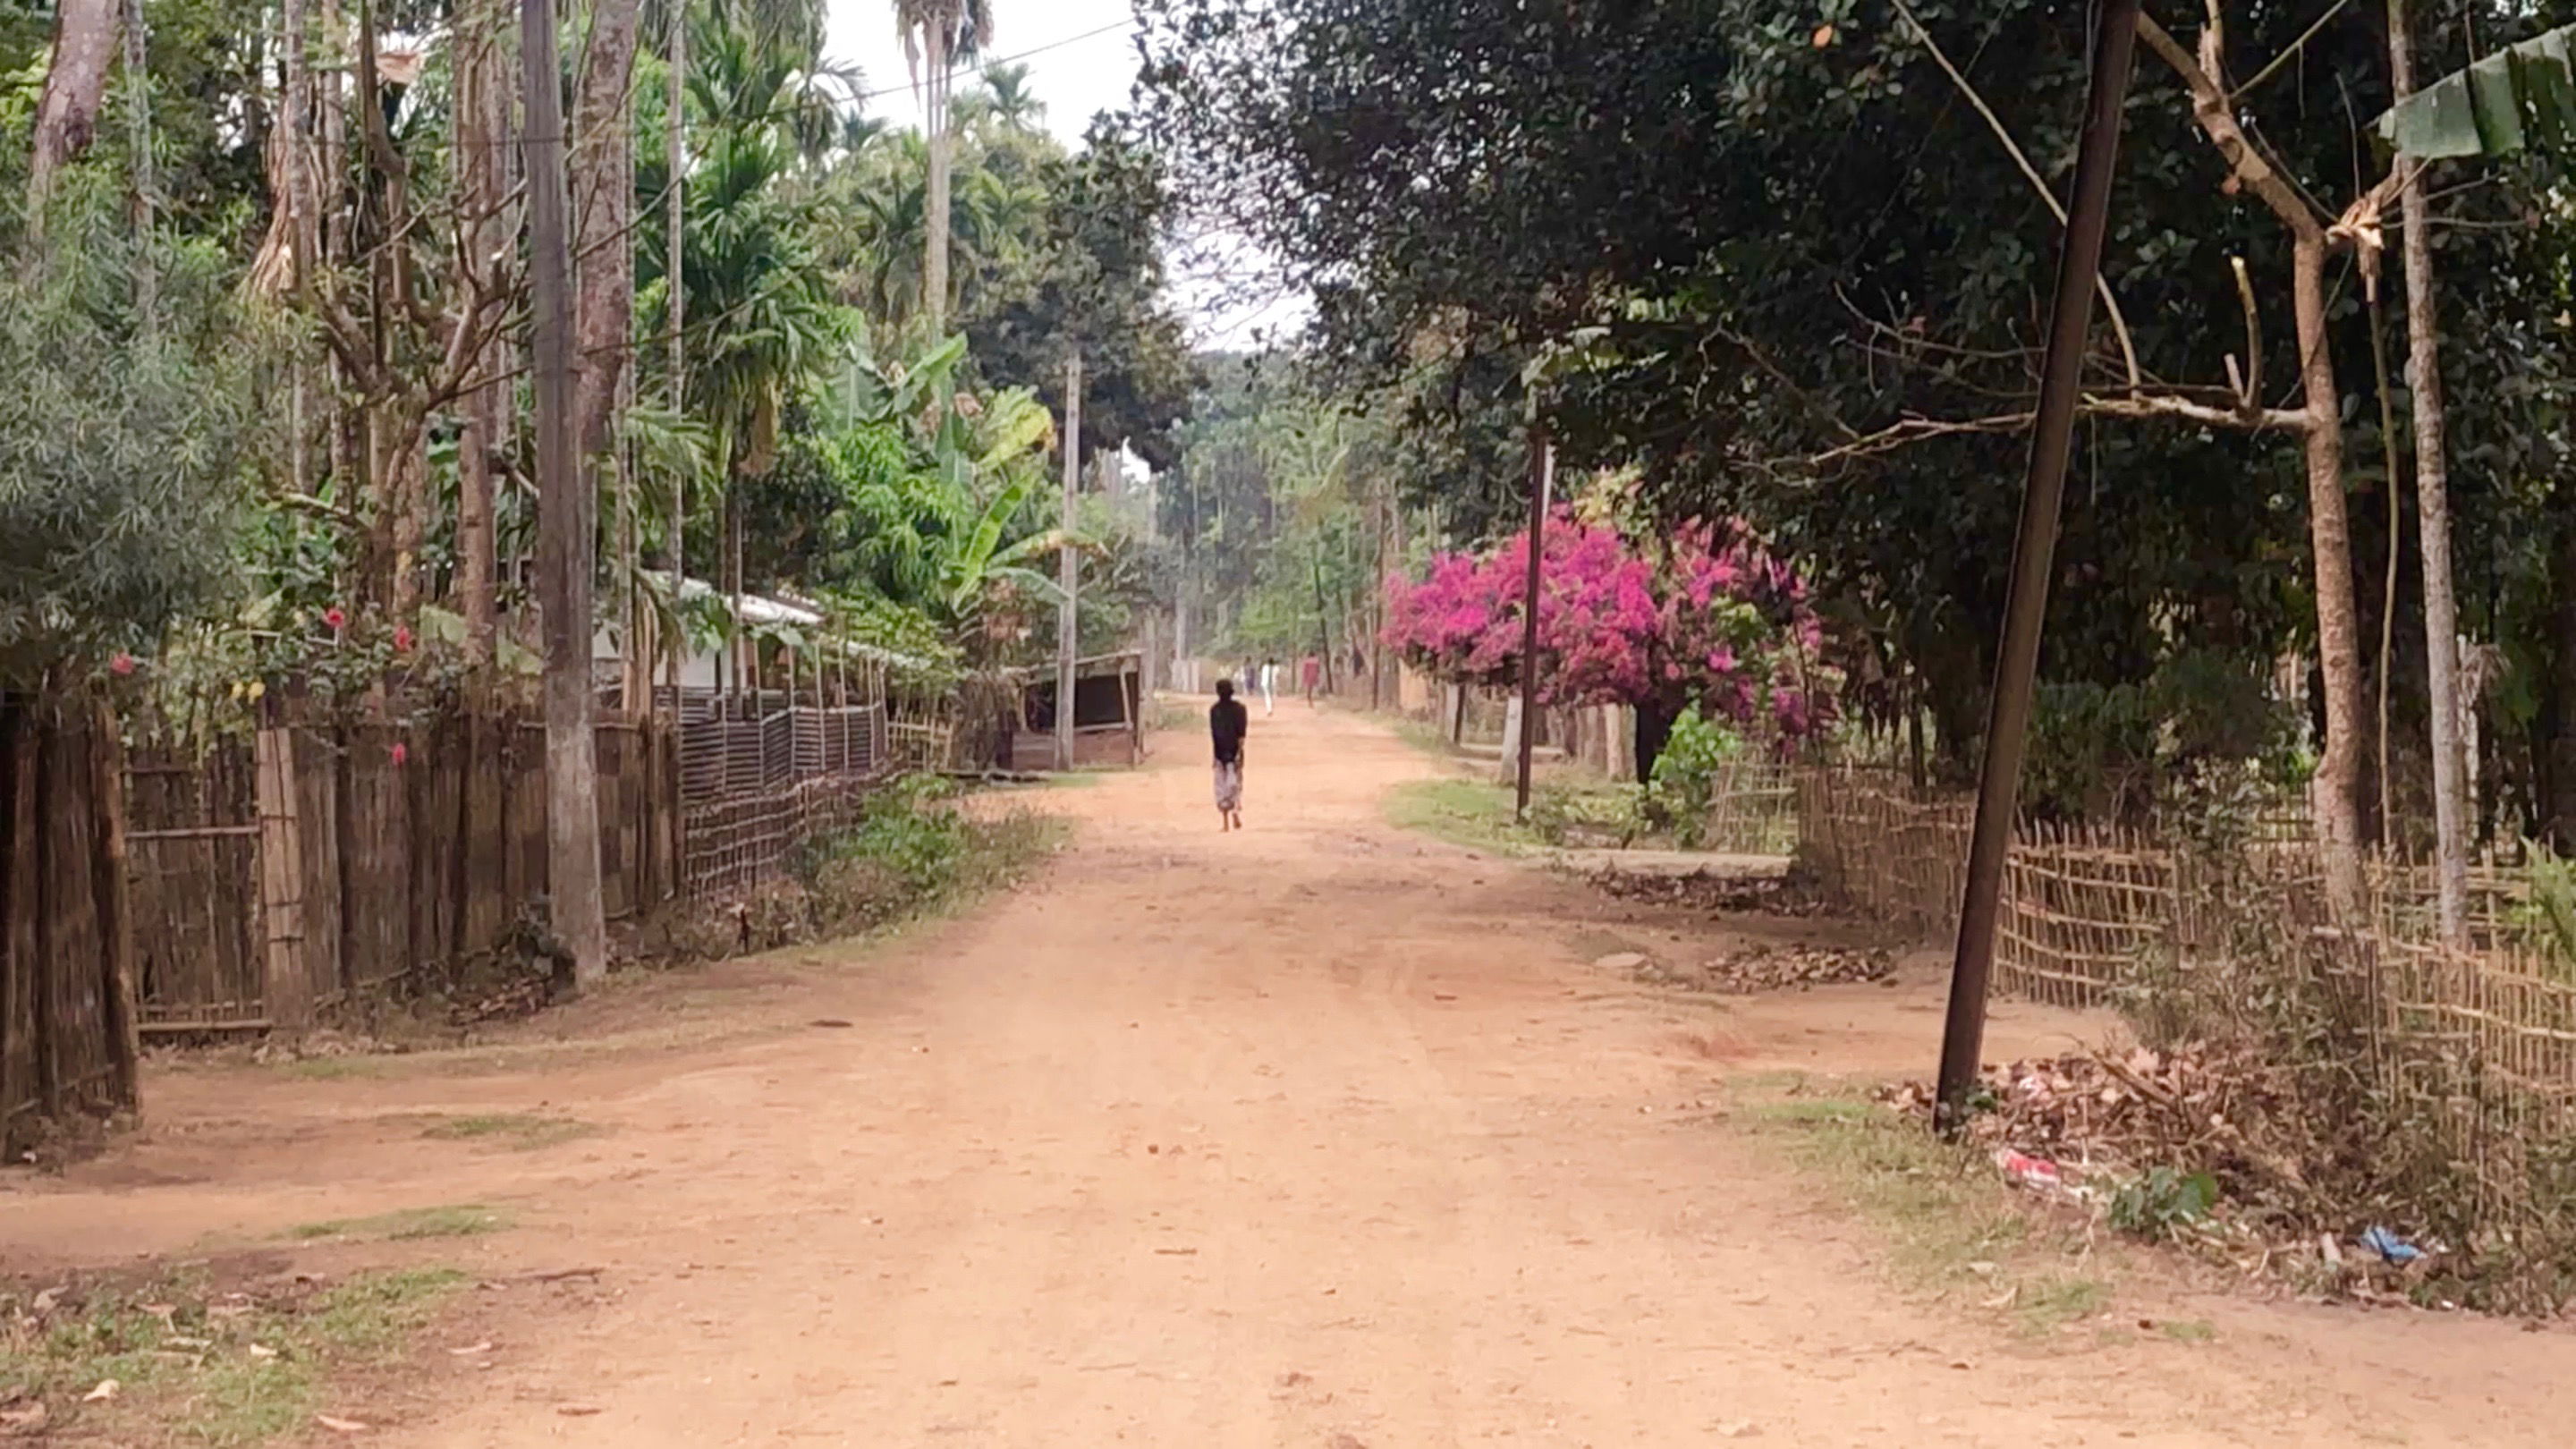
984, 560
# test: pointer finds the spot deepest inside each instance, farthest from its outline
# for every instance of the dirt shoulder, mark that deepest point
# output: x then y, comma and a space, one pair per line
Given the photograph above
1319, 1134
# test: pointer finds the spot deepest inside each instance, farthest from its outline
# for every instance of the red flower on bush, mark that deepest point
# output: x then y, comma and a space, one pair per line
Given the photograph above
402, 638
1707, 618
121, 663
336, 618
401, 753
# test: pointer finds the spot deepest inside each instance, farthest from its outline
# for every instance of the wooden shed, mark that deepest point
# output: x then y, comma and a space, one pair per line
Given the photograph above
1108, 713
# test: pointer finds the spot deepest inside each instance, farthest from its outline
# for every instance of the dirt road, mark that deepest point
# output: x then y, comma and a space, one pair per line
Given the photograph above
1318, 1135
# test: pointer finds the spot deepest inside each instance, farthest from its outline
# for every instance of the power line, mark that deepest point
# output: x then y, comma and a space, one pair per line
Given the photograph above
1129, 23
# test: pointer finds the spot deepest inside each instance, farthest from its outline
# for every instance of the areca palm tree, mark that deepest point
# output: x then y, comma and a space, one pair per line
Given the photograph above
761, 320
1012, 103
936, 35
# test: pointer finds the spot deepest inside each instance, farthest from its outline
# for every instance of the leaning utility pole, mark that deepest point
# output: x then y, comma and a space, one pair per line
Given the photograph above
567, 537
2052, 433
1066, 635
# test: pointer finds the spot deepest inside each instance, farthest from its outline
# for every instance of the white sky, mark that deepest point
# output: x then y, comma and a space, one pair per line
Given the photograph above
1081, 56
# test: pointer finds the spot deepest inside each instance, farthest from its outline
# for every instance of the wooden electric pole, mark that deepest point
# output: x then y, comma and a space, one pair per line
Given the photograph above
567, 539
1067, 636
2052, 433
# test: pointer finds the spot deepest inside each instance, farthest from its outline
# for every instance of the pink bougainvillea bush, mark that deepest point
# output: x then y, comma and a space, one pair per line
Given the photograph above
1707, 617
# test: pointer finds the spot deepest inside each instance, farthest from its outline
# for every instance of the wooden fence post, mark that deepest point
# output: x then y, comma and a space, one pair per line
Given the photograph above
115, 907
287, 979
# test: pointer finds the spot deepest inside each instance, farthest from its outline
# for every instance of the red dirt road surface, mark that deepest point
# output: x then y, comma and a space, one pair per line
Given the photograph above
1318, 1135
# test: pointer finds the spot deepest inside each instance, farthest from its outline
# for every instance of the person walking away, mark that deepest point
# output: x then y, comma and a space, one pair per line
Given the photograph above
1310, 673
1269, 686
1228, 722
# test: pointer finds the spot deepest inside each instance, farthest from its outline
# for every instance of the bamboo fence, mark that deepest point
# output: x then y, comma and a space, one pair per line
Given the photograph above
2477, 1047
275, 876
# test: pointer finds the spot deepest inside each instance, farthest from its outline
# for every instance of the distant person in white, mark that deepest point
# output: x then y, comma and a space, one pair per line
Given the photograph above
1269, 686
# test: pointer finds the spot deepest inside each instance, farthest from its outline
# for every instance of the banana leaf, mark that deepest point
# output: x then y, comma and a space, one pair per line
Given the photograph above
2520, 98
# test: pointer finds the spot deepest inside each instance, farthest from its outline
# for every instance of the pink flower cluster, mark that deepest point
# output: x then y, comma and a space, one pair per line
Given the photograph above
1711, 619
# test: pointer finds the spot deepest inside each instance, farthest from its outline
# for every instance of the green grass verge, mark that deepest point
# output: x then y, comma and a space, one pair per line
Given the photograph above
520, 1131
1422, 734
1953, 1230
452, 1220
1462, 812
193, 1366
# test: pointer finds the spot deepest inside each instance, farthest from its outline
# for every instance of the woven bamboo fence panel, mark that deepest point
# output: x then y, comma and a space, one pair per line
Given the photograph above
2476, 1046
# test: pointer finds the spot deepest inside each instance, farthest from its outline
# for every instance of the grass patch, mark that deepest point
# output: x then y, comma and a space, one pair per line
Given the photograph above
1462, 812
1953, 1230
520, 1131
452, 1220
916, 852
194, 1365
912, 853
1423, 735
2188, 1330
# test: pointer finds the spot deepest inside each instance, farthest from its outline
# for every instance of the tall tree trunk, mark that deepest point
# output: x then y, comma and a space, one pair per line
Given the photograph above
2388, 583
603, 209
2433, 519
483, 128
675, 155
331, 125
397, 444
2337, 786
85, 34
2336, 789
138, 140
2561, 804
567, 535
934, 261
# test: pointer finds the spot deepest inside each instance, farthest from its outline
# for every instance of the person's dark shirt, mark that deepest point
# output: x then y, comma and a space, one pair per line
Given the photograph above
1227, 722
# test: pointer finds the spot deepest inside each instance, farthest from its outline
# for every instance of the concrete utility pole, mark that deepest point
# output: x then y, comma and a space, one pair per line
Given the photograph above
2052, 432
1067, 636
567, 531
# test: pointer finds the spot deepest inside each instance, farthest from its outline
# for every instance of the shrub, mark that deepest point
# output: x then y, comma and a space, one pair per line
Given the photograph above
123, 444
1684, 787
911, 850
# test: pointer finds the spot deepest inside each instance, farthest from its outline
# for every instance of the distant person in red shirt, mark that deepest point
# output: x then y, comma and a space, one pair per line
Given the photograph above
1310, 671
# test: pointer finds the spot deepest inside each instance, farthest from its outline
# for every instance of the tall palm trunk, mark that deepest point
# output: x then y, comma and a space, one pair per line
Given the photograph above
934, 262
138, 138
675, 151
2433, 518
603, 208
483, 126
85, 34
